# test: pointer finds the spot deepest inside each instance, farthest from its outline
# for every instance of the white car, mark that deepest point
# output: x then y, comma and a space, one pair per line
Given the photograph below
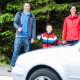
54, 63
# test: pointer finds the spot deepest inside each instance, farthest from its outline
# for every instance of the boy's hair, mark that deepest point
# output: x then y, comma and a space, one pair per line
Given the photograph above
49, 25
26, 3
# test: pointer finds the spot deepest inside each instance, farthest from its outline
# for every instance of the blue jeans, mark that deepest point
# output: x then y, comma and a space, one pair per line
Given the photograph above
17, 46
72, 42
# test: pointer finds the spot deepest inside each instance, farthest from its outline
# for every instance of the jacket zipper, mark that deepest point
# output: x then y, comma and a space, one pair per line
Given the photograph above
47, 40
72, 21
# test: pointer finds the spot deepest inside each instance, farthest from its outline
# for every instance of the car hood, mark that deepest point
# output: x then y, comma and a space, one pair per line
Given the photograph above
47, 55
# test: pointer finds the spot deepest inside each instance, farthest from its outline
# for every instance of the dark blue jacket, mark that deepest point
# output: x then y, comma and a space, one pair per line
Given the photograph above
31, 25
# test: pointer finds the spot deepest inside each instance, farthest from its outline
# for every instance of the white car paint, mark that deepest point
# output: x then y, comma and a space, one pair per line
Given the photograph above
65, 60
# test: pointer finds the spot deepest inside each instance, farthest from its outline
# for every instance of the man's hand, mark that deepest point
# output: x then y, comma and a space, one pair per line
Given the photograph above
19, 29
32, 41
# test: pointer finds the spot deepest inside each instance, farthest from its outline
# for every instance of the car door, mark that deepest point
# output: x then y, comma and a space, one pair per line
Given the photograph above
74, 66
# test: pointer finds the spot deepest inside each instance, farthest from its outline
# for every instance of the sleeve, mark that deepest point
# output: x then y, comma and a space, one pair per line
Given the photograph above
39, 35
79, 27
34, 28
58, 42
64, 30
15, 23
56, 39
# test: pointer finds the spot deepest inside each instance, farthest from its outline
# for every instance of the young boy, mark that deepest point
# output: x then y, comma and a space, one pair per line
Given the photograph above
48, 38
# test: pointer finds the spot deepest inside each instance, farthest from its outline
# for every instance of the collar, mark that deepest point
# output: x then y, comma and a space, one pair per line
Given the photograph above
20, 12
26, 14
70, 16
49, 33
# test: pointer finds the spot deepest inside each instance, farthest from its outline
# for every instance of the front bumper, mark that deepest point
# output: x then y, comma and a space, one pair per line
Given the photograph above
19, 73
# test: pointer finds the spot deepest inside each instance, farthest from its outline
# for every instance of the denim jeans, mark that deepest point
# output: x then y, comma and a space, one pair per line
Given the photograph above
72, 42
17, 45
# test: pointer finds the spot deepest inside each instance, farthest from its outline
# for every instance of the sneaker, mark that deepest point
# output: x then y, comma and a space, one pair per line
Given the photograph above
10, 69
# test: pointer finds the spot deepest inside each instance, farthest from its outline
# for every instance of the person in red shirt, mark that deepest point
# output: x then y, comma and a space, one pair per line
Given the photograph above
48, 38
71, 27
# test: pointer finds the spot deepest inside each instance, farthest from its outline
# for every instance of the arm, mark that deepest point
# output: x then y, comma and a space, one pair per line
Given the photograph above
64, 32
58, 42
79, 27
33, 30
15, 23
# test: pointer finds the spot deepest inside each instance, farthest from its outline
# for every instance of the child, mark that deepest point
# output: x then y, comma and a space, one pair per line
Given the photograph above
48, 38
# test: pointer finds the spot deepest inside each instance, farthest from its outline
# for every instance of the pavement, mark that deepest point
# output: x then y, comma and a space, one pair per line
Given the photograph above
6, 78
4, 74
4, 71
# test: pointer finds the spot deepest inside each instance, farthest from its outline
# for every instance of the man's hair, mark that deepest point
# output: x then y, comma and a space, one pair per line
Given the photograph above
27, 3
49, 25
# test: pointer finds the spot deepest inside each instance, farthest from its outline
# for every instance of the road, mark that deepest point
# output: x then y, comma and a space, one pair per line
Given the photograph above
4, 74
6, 78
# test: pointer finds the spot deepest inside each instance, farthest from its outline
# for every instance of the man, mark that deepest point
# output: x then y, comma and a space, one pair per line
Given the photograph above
25, 25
